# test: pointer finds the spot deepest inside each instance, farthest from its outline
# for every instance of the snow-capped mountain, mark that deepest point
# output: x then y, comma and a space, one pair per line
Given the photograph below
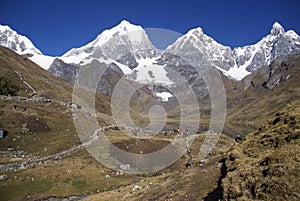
241, 61
125, 43
23, 46
277, 43
128, 47
20, 44
196, 41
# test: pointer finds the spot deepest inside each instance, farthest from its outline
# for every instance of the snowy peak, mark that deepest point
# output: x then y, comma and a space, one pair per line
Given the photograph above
277, 29
199, 40
196, 44
124, 33
20, 44
125, 43
196, 32
124, 28
128, 46
241, 61
277, 43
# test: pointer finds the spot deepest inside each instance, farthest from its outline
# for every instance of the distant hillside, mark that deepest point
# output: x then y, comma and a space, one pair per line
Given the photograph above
261, 94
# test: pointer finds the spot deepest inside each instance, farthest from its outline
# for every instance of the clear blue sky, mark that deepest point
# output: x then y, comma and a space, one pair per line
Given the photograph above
55, 26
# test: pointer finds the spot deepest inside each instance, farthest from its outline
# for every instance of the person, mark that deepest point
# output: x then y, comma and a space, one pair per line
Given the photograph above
238, 138
189, 163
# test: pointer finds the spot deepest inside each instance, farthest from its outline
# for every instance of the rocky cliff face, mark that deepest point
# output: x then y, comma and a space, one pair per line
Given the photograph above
282, 69
63, 70
70, 73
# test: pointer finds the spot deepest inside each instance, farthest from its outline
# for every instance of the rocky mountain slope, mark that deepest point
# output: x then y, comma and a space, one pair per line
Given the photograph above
261, 94
70, 73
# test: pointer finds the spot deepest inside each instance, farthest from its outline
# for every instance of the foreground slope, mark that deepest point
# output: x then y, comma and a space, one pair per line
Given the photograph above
265, 166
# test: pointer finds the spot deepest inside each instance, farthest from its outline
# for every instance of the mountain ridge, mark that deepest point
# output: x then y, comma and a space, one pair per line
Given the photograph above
127, 44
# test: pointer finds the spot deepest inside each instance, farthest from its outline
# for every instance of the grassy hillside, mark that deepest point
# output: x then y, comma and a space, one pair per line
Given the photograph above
39, 123
265, 166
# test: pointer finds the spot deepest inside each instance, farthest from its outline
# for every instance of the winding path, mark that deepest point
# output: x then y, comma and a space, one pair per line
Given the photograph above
24, 164
34, 162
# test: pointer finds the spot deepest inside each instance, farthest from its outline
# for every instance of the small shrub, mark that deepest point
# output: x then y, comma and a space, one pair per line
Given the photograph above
8, 87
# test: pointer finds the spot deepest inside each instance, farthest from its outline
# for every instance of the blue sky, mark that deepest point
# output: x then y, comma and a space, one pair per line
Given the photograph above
55, 26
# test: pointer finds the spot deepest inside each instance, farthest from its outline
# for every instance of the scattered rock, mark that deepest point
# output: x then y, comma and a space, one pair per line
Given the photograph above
276, 120
25, 129
136, 187
136, 179
3, 177
125, 167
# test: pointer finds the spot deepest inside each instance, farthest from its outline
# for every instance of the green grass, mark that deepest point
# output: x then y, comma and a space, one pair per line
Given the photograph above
20, 190
51, 126
80, 183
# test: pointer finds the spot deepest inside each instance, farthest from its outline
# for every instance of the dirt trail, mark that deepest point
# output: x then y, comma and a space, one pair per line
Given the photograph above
203, 179
24, 164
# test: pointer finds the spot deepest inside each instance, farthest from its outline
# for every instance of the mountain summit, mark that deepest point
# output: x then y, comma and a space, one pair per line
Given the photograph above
23, 46
277, 29
241, 61
20, 44
125, 43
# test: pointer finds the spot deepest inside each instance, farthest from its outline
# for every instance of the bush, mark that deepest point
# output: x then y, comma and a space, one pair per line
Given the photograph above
8, 87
